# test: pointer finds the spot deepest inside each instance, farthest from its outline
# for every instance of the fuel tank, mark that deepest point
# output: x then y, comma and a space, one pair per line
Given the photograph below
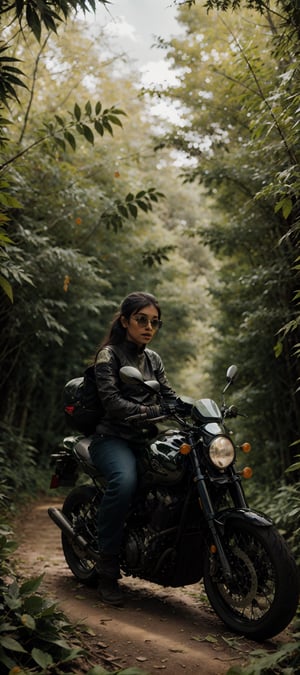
161, 462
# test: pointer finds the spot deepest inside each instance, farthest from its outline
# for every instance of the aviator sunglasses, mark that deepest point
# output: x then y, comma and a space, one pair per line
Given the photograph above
143, 321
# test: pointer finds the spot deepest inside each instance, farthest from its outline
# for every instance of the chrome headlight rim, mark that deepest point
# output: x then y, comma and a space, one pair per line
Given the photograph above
221, 452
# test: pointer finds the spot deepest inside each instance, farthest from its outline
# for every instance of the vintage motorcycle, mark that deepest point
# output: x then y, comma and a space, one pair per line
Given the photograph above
189, 520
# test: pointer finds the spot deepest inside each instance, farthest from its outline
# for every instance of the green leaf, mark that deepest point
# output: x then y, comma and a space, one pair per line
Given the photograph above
33, 21
99, 127
98, 107
107, 126
88, 108
88, 134
71, 139
6, 287
278, 348
59, 120
11, 644
142, 205
31, 585
6, 627
43, 659
60, 142
28, 621
115, 120
77, 112
122, 210
133, 209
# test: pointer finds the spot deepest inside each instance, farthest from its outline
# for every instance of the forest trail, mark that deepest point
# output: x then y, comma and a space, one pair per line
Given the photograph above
167, 629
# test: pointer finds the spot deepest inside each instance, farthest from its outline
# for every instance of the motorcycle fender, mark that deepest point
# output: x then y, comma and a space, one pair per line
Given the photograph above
254, 517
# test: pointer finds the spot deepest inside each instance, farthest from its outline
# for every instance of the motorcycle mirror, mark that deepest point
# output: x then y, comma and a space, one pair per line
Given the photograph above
130, 375
153, 384
230, 376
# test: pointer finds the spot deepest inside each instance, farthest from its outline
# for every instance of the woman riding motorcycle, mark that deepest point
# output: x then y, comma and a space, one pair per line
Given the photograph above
117, 442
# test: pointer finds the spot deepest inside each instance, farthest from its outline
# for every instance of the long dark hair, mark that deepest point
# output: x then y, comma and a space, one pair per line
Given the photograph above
132, 304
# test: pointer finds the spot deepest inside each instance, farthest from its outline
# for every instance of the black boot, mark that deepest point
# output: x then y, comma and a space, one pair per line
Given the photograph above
109, 572
109, 591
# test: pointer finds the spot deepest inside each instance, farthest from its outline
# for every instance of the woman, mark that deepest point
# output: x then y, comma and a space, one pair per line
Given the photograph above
118, 441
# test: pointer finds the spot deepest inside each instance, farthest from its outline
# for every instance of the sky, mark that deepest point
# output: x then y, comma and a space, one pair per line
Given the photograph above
135, 24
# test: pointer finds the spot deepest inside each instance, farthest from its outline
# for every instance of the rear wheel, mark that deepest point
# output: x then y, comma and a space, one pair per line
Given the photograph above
262, 597
80, 507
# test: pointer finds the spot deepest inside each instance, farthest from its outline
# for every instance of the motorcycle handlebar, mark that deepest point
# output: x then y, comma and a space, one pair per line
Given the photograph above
143, 417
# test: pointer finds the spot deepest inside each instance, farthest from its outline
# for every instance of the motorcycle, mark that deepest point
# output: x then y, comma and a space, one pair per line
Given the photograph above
189, 519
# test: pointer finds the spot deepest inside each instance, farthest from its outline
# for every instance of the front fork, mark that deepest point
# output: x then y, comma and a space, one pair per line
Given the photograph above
207, 508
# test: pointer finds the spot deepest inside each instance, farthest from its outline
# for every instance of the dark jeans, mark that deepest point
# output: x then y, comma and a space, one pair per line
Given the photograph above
116, 461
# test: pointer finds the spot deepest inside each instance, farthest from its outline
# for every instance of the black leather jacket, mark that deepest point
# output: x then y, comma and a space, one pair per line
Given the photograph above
121, 400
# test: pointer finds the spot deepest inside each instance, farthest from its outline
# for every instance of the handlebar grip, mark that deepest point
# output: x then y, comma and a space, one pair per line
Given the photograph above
138, 416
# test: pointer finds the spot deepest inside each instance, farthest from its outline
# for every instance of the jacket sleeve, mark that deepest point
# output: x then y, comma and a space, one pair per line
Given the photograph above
109, 387
168, 394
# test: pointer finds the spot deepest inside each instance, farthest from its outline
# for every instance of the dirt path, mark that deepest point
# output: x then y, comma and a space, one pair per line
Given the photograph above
173, 630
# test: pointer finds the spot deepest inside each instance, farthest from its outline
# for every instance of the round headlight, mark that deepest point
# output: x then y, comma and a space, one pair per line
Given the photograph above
221, 452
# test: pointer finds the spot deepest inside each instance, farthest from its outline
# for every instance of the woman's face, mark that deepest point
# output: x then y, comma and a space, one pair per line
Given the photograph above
139, 328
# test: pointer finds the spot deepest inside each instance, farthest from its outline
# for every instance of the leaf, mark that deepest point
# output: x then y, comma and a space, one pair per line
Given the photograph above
88, 134
60, 142
115, 120
28, 621
31, 585
88, 108
142, 205
11, 644
107, 126
98, 107
77, 112
99, 127
33, 21
207, 638
133, 209
71, 139
6, 287
43, 659
59, 120
122, 210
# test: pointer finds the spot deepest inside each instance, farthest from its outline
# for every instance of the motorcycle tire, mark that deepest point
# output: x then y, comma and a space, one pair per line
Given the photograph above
76, 509
261, 599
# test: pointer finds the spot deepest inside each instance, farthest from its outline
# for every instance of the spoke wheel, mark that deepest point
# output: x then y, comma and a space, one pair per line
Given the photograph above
261, 597
80, 508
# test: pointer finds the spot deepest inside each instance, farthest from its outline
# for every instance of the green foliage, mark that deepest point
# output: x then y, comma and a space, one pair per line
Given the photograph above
45, 13
16, 452
33, 631
283, 507
10, 78
285, 660
84, 121
241, 136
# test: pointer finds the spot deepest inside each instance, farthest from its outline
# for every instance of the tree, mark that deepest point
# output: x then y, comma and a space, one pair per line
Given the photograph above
240, 134
97, 230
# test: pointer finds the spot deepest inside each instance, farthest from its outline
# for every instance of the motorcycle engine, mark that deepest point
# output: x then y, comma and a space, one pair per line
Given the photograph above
149, 537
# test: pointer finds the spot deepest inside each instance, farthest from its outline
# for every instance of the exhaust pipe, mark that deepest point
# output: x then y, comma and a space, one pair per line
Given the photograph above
65, 526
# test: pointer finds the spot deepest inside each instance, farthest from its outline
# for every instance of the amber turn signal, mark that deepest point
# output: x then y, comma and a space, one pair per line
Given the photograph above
213, 548
245, 447
185, 448
247, 472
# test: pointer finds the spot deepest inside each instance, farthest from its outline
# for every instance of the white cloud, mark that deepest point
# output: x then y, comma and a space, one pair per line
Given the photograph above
120, 28
157, 72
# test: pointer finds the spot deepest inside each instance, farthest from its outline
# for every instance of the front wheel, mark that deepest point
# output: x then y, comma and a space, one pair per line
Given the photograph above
80, 507
262, 597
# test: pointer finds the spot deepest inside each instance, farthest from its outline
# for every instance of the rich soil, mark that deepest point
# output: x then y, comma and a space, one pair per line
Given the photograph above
174, 630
